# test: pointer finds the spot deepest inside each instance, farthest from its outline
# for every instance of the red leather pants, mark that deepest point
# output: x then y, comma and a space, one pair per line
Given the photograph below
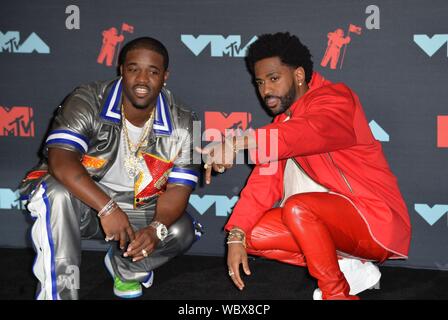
308, 230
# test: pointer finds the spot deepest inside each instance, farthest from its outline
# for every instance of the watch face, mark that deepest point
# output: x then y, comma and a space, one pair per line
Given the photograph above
162, 232
161, 229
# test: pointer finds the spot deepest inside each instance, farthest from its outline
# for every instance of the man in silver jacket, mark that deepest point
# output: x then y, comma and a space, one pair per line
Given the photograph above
118, 165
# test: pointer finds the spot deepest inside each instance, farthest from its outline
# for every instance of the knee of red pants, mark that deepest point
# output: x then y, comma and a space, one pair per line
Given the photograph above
296, 208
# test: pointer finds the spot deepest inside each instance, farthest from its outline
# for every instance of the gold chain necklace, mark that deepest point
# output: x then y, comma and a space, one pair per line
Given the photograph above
133, 158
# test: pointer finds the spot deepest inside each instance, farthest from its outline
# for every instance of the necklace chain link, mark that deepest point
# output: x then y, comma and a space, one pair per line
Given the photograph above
133, 158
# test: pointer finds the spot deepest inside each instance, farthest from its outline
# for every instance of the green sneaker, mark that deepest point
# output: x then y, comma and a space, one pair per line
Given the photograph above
122, 289
128, 289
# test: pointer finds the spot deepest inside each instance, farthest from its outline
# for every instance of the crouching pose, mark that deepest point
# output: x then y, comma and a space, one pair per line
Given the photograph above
117, 166
321, 194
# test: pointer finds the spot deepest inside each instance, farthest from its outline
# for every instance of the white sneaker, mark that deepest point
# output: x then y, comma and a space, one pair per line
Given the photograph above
360, 276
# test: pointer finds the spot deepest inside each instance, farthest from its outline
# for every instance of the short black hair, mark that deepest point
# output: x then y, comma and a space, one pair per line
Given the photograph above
144, 43
283, 45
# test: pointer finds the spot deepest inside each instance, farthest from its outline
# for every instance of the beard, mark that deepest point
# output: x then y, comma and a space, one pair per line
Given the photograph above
285, 101
140, 105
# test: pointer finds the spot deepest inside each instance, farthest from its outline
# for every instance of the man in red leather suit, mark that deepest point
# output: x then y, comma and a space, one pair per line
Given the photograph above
332, 194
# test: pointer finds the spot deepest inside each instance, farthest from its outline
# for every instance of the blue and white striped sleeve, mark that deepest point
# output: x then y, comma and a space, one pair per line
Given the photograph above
185, 171
69, 138
72, 124
179, 175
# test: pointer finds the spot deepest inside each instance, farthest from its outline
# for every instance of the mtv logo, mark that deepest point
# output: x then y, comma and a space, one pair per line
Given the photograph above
224, 205
431, 215
17, 121
431, 45
221, 124
442, 131
10, 199
9, 42
219, 45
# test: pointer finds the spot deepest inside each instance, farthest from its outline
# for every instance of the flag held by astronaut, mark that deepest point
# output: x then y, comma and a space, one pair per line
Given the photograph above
127, 27
355, 29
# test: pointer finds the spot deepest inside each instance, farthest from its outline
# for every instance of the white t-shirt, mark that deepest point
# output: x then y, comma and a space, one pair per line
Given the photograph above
295, 180
117, 178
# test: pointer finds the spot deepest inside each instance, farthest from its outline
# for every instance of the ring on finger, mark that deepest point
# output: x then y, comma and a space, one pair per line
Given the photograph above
109, 238
231, 273
144, 253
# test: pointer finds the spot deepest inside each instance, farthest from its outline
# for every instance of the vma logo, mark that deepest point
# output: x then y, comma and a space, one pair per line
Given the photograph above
223, 204
10, 42
221, 124
10, 199
111, 43
431, 45
16, 121
219, 46
336, 41
431, 214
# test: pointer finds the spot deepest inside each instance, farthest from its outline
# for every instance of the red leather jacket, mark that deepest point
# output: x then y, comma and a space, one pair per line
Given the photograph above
328, 135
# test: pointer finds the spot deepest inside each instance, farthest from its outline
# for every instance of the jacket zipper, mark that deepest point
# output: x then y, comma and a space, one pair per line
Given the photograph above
341, 173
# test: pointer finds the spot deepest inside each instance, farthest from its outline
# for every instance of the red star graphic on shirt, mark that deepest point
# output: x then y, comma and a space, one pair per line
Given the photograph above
152, 179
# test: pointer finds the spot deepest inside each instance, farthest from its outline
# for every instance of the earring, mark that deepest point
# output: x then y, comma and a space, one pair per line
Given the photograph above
300, 83
164, 84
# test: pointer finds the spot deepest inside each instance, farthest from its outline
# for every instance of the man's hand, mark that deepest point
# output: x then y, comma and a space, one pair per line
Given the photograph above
143, 245
117, 225
219, 156
237, 255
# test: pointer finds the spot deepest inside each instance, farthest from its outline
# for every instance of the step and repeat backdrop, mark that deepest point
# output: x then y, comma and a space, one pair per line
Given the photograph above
393, 54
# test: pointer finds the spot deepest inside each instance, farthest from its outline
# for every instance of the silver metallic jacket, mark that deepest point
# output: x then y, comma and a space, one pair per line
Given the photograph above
89, 122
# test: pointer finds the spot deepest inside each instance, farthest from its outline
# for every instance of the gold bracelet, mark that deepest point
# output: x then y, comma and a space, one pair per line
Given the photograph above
237, 234
236, 231
233, 241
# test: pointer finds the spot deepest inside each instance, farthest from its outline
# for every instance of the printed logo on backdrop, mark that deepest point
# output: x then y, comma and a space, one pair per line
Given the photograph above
442, 131
220, 46
431, 45
223, 204
111, 44
220, 125
11, 42
10, 199
16, 122
431, 214
337, 41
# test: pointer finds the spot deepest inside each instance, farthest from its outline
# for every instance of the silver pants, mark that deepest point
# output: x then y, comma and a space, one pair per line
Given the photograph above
61, 221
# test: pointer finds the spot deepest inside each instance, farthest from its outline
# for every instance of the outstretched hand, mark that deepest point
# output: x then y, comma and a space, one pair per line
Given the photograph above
219, 156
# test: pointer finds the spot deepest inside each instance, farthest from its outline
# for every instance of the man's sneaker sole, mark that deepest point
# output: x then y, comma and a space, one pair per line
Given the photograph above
128, 294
